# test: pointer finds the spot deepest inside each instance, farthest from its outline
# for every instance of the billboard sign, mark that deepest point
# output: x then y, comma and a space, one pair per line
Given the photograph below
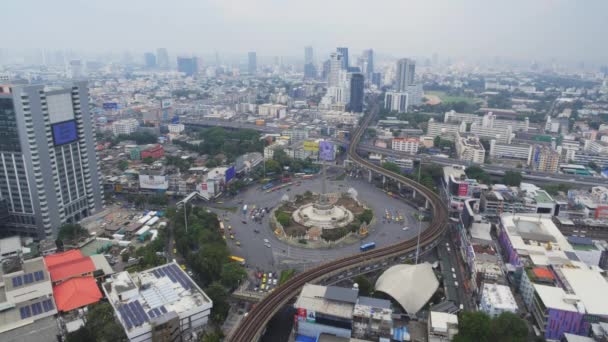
110, 106
311, 146
151, 182
211, 187
230, 172
64, 132
463, 189
301, 314
166, 103
311, 316
326, 150
175, 119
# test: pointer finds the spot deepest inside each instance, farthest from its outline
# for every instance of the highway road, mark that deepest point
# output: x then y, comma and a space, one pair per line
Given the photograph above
282, 255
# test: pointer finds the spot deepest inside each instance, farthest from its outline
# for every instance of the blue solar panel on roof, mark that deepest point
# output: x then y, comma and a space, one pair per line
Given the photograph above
130, 314
162, 309
151, 313
140, 320
16, 281
38, 275
161, 271
157, 312
155, 272
141, 311
125, 317
48, 305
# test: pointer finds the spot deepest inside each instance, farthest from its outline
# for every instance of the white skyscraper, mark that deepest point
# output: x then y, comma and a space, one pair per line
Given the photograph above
405, 74
335, 69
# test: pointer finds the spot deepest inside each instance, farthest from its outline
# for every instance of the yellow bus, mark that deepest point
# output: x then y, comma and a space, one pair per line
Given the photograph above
238, 259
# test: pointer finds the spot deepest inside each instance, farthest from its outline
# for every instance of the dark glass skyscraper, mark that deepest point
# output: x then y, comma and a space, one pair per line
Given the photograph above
48, 164
356, 92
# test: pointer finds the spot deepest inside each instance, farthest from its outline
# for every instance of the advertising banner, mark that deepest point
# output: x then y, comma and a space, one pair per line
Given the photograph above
110, 106
153, 182
230, 172
326, 151
463, 189
311, 146
301, 314
166, 103
311, 316
64, 132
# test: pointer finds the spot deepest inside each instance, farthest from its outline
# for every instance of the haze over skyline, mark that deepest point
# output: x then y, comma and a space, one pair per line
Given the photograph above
565, 30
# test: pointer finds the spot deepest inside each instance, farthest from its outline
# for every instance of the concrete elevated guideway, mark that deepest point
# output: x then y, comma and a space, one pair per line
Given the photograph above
254, 324
495, 170
491, 169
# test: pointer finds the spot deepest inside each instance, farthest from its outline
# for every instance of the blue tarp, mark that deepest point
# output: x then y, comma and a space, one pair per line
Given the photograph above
401, 334
302, 338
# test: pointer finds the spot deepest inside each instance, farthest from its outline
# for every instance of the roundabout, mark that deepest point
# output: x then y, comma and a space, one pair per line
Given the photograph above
277, 254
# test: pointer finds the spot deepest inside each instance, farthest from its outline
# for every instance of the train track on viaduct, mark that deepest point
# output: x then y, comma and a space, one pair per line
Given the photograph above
252, 326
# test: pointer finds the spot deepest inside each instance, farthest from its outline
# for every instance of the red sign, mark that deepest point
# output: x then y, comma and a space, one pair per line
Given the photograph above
301, 314
601, 212
463, 189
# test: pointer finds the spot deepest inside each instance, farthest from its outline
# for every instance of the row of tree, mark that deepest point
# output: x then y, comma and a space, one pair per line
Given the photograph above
479, 327
207, 254
231, 143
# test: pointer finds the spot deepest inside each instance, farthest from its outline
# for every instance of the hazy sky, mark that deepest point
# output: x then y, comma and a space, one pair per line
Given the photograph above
575, 30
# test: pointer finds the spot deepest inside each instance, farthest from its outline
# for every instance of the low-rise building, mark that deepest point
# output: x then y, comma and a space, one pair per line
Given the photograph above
468, 148
442, 326
496, 299
176, 128
155, 152
444, 130
125, 126
372, 318
158, 304
521, 152
408, 145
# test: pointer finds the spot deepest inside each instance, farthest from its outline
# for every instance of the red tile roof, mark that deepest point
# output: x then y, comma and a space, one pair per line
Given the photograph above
76, 293
68, 264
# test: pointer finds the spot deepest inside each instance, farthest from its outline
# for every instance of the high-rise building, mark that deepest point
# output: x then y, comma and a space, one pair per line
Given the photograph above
308, 56
395, 101
356, 82
368, 60
150, 60
76, 70
344, 52
405, 74
310, 72
335, 69
48, 165
252, 63
187, 65
162, 58
326, 70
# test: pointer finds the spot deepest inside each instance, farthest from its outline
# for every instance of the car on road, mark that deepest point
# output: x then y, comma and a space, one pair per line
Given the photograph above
174, 251
244, 222
267, 245
238, 243
266, 241
274, 281
405, 228
263, 287
232, 236
453, 270
256, 231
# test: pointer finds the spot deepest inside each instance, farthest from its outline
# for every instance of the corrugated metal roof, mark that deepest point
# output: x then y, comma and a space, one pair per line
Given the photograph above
341, 294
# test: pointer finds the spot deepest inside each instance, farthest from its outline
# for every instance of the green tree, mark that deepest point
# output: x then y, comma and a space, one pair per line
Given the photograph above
365, 286
512, 178
212, 336
100, 326
593, 165
474, 326
232, 274
391, 167
123, 165
477, 173
219, 296
71, 232
273, 166
283, 218
366, 216
148, 160
508, 327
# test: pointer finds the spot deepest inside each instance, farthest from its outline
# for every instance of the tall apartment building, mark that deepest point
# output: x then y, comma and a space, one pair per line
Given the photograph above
48, 165
502, 135
162, 58
355, 82
545, 159
252, 63
187, 65
405, 74
468, 148
344, 52
409, 145
335, 69
395, 101
125, 126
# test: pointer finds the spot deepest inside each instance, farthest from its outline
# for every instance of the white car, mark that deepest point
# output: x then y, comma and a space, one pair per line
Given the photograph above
405, 228
267, 245
274, 281
266, 241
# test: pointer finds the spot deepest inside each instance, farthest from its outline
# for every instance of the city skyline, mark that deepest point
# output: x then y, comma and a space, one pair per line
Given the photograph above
466, 29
